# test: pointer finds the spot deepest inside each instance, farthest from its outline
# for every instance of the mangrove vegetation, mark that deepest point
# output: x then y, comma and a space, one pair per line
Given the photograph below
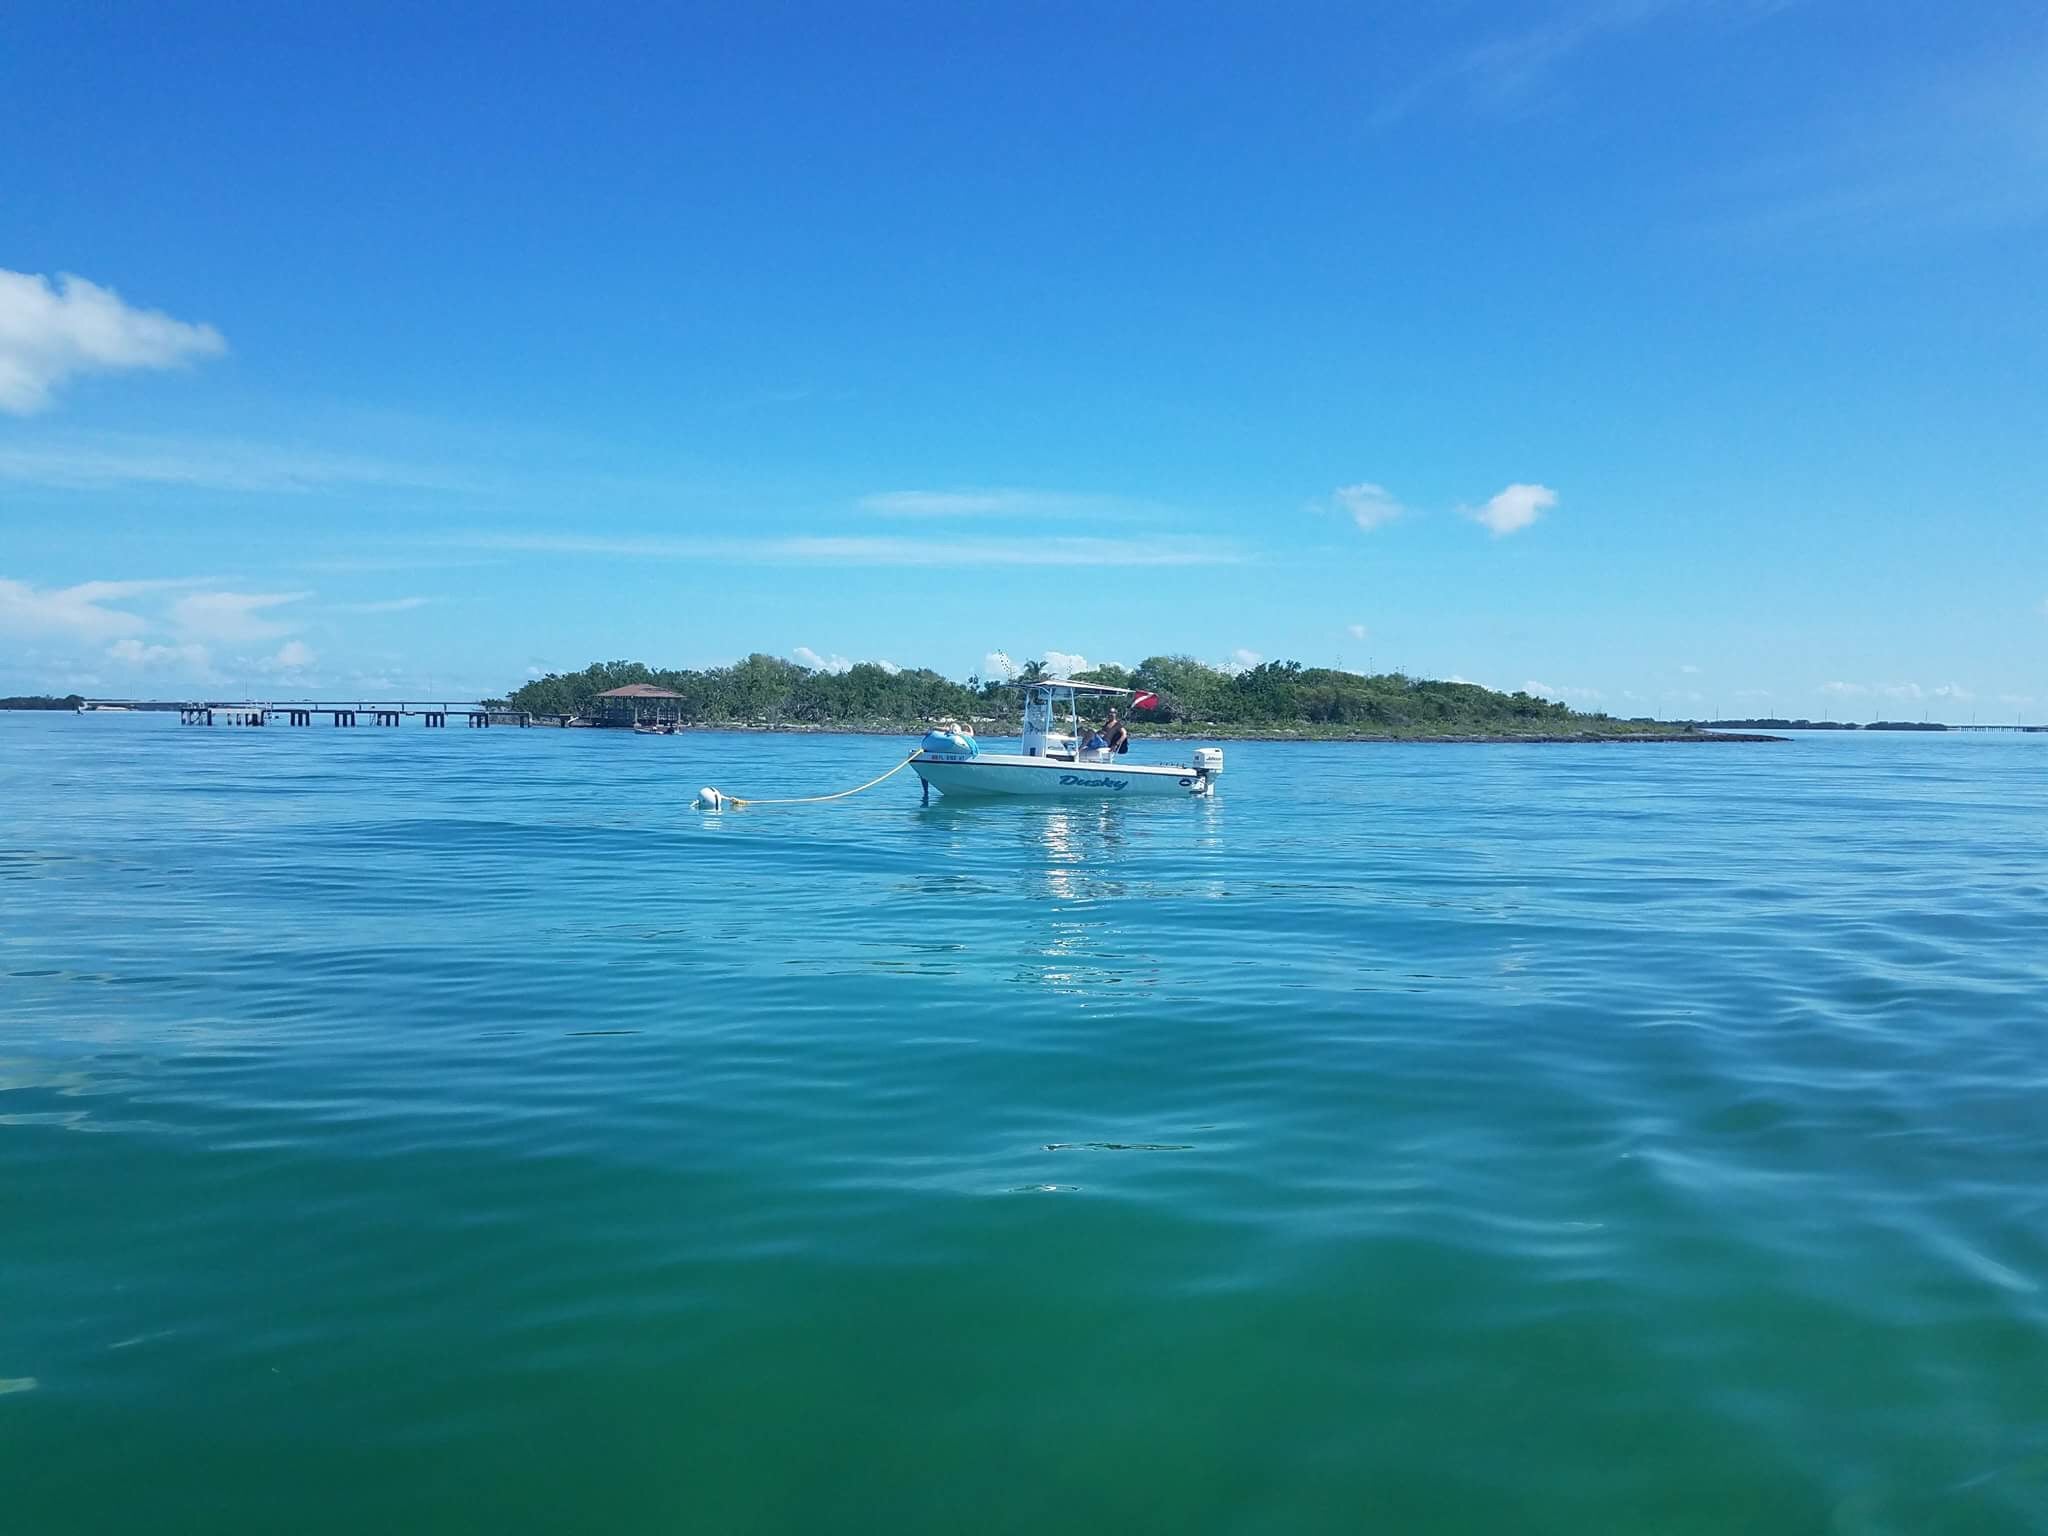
1276, 698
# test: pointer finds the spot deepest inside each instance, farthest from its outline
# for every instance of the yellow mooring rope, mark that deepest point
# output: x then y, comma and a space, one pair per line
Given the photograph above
711, 799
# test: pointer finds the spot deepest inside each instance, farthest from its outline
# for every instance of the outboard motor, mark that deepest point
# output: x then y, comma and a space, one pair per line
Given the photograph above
1208, 766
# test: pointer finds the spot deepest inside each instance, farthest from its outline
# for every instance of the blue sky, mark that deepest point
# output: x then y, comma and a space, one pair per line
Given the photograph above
1666, 357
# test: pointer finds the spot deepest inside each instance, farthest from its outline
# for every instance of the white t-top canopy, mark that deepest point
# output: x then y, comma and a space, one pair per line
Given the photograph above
1068, 683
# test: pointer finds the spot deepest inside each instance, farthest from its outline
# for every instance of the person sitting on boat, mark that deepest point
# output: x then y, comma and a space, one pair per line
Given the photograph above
1114, 736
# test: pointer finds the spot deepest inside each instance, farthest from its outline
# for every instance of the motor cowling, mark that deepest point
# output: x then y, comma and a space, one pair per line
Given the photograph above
949, 742
1209, 761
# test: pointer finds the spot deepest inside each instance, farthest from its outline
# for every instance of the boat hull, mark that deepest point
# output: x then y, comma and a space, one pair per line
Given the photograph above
1001, 773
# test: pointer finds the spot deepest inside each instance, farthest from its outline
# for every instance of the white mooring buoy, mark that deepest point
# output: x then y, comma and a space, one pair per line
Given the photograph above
709, 799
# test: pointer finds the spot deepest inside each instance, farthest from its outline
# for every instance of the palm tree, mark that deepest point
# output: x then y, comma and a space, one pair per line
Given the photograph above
1034, 671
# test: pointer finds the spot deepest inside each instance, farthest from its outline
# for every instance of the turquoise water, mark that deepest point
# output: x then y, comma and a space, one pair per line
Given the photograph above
450, 1131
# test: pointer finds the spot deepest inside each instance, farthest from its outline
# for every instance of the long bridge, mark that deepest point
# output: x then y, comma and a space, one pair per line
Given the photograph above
475, 713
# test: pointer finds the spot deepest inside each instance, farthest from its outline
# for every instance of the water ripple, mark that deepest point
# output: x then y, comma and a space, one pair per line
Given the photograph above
1461, 1138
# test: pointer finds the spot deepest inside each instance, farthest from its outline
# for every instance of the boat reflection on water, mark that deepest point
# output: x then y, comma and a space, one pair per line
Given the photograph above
1075, 869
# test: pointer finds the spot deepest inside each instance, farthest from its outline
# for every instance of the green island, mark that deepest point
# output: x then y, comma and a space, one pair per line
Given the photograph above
1278, 699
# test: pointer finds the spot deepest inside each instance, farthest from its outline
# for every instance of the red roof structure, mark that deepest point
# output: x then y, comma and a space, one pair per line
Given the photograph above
637, 702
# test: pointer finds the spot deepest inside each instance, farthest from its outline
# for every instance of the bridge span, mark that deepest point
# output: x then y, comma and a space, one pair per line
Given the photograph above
477, 714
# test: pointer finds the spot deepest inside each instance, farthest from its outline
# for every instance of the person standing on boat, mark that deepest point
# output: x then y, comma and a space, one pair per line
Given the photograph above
1114, 736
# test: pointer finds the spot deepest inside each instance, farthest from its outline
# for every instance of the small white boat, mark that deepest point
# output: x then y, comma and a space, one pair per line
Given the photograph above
1052, 760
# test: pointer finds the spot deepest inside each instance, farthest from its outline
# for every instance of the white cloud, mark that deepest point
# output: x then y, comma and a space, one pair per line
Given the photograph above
50, 332
79, 611
804, 656
1689, 670
233, 616
1066, 663
1845, 690
1515, 508
535, 674
292, 656
191, 659
1356, 631
1562, 694
1368, 505
2018, 700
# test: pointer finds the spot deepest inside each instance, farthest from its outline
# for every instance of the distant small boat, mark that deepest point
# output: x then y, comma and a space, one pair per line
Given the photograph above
1053, 760
655, 727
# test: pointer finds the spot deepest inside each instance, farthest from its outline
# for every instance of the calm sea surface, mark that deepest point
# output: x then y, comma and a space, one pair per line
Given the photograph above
407, 1130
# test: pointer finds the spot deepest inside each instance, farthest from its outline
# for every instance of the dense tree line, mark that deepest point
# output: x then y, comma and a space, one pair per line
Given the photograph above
41, 701
1277, 695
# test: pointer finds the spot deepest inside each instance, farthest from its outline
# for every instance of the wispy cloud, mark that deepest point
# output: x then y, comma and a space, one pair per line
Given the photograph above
1515, 508
1368, 505
80, 611
113, 462
378, 564
233, 617
53, 331
996, 503
1356, 631
1515, 71
1167, 550
1962, 146
383, 605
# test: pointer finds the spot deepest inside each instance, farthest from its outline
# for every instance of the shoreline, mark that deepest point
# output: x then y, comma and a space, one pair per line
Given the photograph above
1387, 738
914, 729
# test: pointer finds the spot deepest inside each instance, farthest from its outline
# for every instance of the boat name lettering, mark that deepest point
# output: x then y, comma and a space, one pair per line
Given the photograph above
1079, 782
